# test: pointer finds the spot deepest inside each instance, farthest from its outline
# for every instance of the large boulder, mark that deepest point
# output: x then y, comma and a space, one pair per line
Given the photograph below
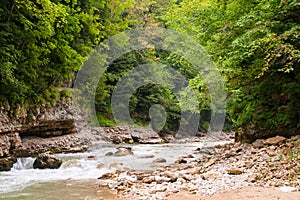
46, 161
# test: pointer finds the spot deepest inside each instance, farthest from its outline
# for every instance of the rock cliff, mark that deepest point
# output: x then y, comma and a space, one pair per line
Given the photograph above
28, 132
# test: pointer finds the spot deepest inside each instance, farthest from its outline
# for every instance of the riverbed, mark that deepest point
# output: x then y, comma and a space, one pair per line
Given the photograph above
77, 177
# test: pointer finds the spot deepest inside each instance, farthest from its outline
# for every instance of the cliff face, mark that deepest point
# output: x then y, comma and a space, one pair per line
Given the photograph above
37, 130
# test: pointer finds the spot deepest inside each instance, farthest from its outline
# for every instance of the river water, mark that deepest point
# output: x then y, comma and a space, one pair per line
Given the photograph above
77, 177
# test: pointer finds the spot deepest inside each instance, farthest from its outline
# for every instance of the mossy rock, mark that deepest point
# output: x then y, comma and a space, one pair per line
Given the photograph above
7, 163
47, 161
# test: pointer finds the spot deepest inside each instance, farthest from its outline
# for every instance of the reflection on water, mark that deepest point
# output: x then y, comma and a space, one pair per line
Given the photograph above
61, 190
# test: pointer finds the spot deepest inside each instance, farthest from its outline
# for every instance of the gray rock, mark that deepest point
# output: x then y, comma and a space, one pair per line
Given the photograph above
159, 160
109, 154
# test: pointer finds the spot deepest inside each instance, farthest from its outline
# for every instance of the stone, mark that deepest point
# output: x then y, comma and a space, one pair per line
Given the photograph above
234, 171
147, 156
161, 179
148, 179
209, 163
259, 143
159, 160
249, 164
275, 140
109, 154
107, 175
146, 136
119, 135
7, 163
181, 160
193, 170
295, 138
123, 151
172, 175
91, 157
158, 188
46, 161
72, 164
211, 176
100, 165
189, 156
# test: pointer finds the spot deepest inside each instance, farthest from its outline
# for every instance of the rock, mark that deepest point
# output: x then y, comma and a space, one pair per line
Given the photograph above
91, 157
7, 163
100, 165
295, 138
258, 144
249, 164
193, 170
209, 163
189, 156
173, 176
47, 161
159, 160
211, 176
119, 135
275, 140
107, 175
72, 164
146, 136
234, 171
147, 156
181, 160
9, 145
123, 151
162, 179
109, 154
149, 179
158, 188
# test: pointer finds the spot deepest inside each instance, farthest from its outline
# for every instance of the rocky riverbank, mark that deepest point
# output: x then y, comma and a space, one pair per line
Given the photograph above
266, 163
28, 132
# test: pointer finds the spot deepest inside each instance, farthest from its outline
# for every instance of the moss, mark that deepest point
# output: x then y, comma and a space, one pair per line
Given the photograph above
7, 164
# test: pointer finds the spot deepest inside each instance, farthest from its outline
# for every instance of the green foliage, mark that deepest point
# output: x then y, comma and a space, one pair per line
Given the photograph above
256, 46
43, 43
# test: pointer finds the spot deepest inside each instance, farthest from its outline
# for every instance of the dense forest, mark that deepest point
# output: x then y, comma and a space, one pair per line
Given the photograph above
254, 44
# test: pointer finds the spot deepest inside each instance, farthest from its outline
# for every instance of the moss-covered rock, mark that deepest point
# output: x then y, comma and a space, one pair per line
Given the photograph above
46, 161
7, 163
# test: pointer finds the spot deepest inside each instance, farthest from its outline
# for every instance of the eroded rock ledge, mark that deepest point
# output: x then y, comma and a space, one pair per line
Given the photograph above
38, 130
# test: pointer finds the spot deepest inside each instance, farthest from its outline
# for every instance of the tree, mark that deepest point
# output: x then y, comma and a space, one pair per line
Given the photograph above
43, 44
256, 46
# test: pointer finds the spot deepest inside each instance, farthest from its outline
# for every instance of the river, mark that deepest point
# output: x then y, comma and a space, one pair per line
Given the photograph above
77, 177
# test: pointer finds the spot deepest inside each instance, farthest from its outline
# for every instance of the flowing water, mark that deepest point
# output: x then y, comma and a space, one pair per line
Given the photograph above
77, 177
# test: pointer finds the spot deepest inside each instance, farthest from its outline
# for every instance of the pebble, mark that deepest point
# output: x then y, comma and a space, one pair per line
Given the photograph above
230, 166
